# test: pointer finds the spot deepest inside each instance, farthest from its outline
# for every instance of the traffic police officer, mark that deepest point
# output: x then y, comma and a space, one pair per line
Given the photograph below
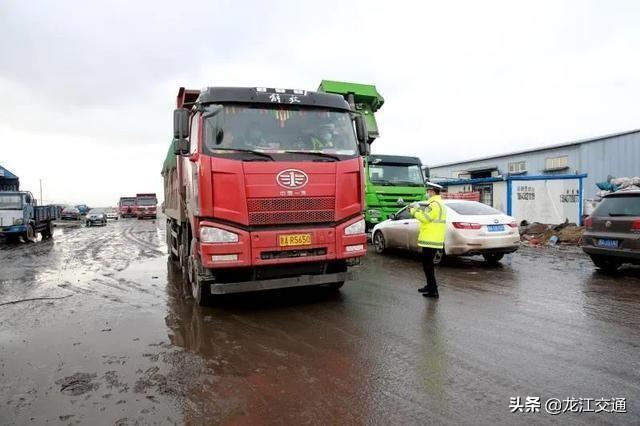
432, 218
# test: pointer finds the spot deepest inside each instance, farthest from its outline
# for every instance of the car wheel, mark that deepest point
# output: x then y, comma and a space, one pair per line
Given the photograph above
439, 257
335, 286
606, 264
379, 243
493, 258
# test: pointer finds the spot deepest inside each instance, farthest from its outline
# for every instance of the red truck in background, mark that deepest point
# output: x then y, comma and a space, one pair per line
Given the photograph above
264, 189
146, 206
127, 207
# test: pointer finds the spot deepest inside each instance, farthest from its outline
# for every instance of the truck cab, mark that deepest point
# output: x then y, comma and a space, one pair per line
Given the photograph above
264, 189
21, 217
146, 206
391, 182
127, 207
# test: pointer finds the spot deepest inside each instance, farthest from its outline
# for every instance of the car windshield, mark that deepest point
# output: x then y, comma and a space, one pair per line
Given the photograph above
10, 202
396, 174
626, 205
317, 132
147, 201
472, 208
71, 210
96, 211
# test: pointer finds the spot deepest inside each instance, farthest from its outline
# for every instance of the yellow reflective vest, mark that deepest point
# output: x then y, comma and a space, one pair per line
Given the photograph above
433, 224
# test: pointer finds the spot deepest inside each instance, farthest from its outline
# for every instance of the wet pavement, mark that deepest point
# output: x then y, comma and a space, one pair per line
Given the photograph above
109, 339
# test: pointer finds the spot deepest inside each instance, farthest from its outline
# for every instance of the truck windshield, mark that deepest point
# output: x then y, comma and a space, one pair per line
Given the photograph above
10, 202
127, 202
280, 131
396, 174
147, 201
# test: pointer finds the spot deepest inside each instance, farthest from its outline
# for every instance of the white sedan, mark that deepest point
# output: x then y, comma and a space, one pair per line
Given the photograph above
472, 229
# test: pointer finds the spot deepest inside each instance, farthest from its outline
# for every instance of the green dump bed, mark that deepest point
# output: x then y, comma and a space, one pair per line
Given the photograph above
364, 98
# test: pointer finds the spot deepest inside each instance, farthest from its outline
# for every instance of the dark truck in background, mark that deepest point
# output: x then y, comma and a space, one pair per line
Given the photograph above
21, 217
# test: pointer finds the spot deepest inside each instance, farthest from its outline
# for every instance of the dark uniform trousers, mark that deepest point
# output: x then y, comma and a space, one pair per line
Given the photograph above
427, 265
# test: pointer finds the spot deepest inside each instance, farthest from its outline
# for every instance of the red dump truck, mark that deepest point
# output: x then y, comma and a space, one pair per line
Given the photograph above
264, 189
127, 207
146, 206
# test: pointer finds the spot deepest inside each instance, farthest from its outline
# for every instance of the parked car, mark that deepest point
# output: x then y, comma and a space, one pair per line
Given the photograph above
112, 214
612, 235
96, 217
473, 228
70, 213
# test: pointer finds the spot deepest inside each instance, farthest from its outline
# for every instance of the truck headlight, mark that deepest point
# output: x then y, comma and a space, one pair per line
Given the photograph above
18, 221
217, 235
355, 228
374, 213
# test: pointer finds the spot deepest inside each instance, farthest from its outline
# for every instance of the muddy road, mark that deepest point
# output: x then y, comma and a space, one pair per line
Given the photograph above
109, 339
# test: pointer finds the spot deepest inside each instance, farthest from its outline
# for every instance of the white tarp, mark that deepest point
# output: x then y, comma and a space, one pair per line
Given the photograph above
546, 201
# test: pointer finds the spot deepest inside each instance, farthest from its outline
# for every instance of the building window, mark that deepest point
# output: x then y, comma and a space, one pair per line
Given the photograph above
556, 163
517, 167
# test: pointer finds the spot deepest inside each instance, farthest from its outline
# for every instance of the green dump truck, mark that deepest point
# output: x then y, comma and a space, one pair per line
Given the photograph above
391, 181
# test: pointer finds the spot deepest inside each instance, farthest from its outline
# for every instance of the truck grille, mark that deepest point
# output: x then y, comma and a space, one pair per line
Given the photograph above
273, 211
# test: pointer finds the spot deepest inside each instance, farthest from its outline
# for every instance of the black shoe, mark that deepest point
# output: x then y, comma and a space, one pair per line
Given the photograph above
423, 289
433, 294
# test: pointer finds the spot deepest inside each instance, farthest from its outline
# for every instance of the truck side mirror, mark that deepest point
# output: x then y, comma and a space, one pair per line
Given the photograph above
181, 147
426, 172
361, 129
181, 123
362, 135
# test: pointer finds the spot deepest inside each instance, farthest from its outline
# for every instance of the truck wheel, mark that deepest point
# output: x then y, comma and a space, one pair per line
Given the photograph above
48, 231
379, 242
30, 235
198, 288
493, 258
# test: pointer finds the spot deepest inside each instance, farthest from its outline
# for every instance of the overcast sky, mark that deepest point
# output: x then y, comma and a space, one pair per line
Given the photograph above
87, 91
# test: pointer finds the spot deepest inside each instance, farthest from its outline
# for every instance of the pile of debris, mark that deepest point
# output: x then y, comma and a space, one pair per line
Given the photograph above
536, 234
614, 184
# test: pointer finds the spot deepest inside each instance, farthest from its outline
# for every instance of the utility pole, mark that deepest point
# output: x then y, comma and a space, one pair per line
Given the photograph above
41, 192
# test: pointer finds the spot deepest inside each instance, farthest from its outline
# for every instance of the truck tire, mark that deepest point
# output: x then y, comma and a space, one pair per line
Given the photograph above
198, 288
48, 231
30, 235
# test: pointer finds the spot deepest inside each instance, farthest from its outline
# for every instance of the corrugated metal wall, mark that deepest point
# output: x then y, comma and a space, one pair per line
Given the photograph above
617, 156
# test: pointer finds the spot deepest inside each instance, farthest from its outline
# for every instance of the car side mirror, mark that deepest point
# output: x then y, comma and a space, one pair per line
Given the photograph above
181, 147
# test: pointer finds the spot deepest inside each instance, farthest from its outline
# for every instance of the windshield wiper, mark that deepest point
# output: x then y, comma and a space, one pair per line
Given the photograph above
409, 183
382, 182
249, 151
320, 154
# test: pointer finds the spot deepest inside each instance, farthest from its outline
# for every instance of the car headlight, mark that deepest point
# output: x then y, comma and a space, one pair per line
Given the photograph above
217, 235
18, 221
355, 228
374, 213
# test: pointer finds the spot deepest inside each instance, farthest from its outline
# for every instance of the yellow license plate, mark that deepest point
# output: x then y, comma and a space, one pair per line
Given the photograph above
295, 240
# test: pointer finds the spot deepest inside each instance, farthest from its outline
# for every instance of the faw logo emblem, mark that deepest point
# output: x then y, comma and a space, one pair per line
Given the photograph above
292, 178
